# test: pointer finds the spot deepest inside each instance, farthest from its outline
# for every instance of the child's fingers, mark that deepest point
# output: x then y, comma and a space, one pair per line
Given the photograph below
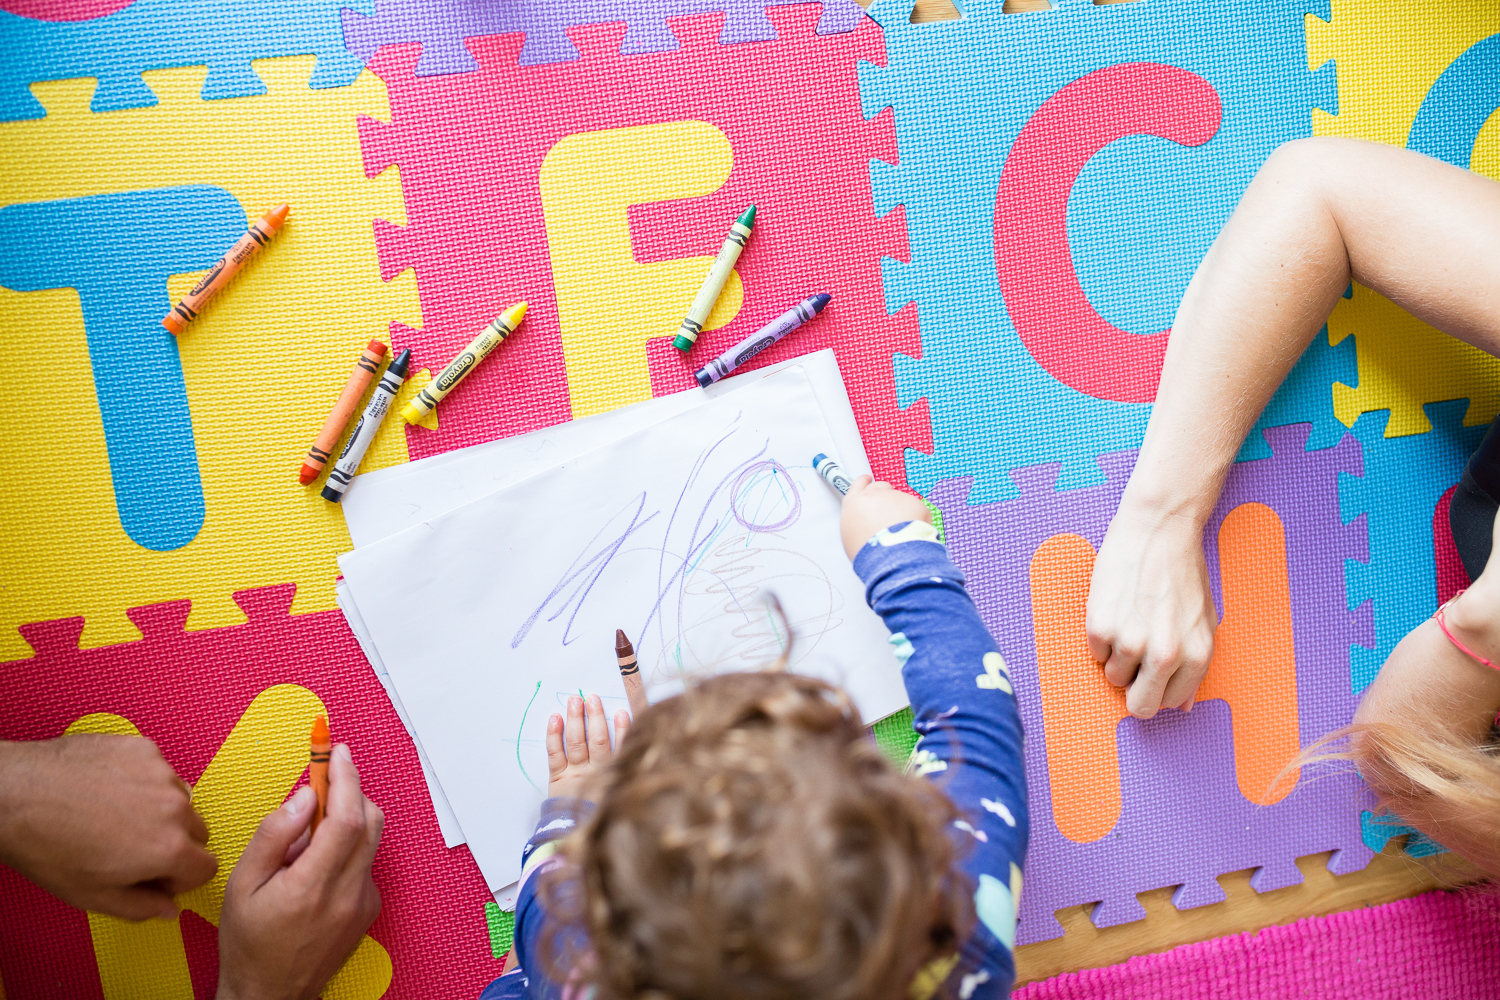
598, 728
858, 486
575, 737
557, 760
622, 726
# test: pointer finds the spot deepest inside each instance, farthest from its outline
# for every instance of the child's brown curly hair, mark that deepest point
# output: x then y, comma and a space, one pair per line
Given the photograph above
750, 841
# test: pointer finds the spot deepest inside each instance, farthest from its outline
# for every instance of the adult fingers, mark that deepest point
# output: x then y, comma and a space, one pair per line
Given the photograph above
191, 865
622, 726
136, 902
1143, 696
364, 857
1184, 683
1123, 665
267, 850
197, 827
1101, 639
342, 828
557, 759
598, 729
575, 735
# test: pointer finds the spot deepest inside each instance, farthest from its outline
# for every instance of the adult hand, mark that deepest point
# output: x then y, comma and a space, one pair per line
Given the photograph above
870, 507
101, 822
578, 748
296, 906
1151, 616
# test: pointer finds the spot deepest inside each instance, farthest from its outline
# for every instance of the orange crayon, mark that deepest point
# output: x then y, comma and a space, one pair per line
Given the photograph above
354, 389
228, 266
317, 767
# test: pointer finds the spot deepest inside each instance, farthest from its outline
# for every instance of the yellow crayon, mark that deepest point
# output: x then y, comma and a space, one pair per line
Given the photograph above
468, 359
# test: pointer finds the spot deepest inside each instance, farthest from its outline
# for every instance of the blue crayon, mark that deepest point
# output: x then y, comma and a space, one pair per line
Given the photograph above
762, 339
831, 472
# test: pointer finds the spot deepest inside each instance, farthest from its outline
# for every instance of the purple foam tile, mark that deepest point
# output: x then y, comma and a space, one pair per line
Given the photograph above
442, 25
1183, 820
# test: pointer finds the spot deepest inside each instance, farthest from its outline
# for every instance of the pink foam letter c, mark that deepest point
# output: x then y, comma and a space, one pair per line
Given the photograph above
1058, 325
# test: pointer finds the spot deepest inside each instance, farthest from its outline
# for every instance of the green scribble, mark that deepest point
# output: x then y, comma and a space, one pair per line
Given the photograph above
522, 730
772, 619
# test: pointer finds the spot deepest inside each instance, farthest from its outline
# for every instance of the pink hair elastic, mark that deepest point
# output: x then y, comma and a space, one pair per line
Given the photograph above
1438, 614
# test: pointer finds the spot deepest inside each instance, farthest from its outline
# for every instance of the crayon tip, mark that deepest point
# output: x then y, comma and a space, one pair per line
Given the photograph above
275, 217
747, 218
400, 364
377, 348
512, 317
819, 459
307, 474
412, 413
320, 732
172, 323
820, 300
621, 643
332, 495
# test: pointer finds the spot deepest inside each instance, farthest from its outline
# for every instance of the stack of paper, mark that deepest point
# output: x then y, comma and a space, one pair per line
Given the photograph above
487, 584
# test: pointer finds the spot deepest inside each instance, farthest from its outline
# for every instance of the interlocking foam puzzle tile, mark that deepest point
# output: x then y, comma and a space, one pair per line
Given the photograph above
1062, 174
442, 25
1404, 481
1426, 76
157, 467
604, 209
155, 34
1120, 806
230, 709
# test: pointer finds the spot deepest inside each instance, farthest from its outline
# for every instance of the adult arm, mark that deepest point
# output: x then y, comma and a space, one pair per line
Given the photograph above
965, 709
1320, 212
101, 822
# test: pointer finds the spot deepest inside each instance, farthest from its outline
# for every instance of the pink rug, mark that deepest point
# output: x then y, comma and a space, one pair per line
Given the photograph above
1437, 946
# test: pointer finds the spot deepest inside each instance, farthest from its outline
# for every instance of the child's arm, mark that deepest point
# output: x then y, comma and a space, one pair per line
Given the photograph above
963, 705
1320, 213
577, 747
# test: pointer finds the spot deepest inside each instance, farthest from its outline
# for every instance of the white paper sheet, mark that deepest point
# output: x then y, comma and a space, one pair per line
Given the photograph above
386, 501
489, 616
453, 834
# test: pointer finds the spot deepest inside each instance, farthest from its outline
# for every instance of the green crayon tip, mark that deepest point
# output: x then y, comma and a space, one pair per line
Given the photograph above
681, 343
747, 218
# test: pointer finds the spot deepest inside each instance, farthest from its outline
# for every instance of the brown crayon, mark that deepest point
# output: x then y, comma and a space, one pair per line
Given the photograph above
354, 390
258, 235
630, 673
321, 746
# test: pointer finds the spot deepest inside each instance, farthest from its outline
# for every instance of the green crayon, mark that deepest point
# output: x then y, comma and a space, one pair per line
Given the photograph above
703, 302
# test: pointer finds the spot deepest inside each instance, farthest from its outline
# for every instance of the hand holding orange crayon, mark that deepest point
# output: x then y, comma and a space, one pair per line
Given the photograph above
258, 235
295, 906
321, 746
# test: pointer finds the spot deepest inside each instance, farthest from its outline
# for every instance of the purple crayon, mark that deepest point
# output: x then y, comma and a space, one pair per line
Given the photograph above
761, 339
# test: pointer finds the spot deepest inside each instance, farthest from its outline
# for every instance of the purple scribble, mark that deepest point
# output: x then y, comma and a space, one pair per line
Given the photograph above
591, 569
747, 478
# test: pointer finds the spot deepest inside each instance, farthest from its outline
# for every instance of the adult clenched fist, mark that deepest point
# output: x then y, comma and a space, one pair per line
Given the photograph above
101, 822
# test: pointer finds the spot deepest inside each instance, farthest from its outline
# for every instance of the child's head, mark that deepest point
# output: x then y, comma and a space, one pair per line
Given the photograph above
750, 840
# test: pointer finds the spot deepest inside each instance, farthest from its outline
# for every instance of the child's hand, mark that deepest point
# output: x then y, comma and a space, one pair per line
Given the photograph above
579, 748
870, 507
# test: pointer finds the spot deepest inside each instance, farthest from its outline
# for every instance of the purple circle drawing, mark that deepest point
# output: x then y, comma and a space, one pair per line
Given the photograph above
748, 478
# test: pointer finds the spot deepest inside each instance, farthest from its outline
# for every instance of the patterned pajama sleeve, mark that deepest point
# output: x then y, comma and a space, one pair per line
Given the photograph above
559, 818
971, 741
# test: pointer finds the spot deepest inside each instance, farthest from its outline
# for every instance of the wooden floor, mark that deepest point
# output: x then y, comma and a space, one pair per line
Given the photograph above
1389, 876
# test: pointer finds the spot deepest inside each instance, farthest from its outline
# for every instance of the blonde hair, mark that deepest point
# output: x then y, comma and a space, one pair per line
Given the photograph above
1444, 786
